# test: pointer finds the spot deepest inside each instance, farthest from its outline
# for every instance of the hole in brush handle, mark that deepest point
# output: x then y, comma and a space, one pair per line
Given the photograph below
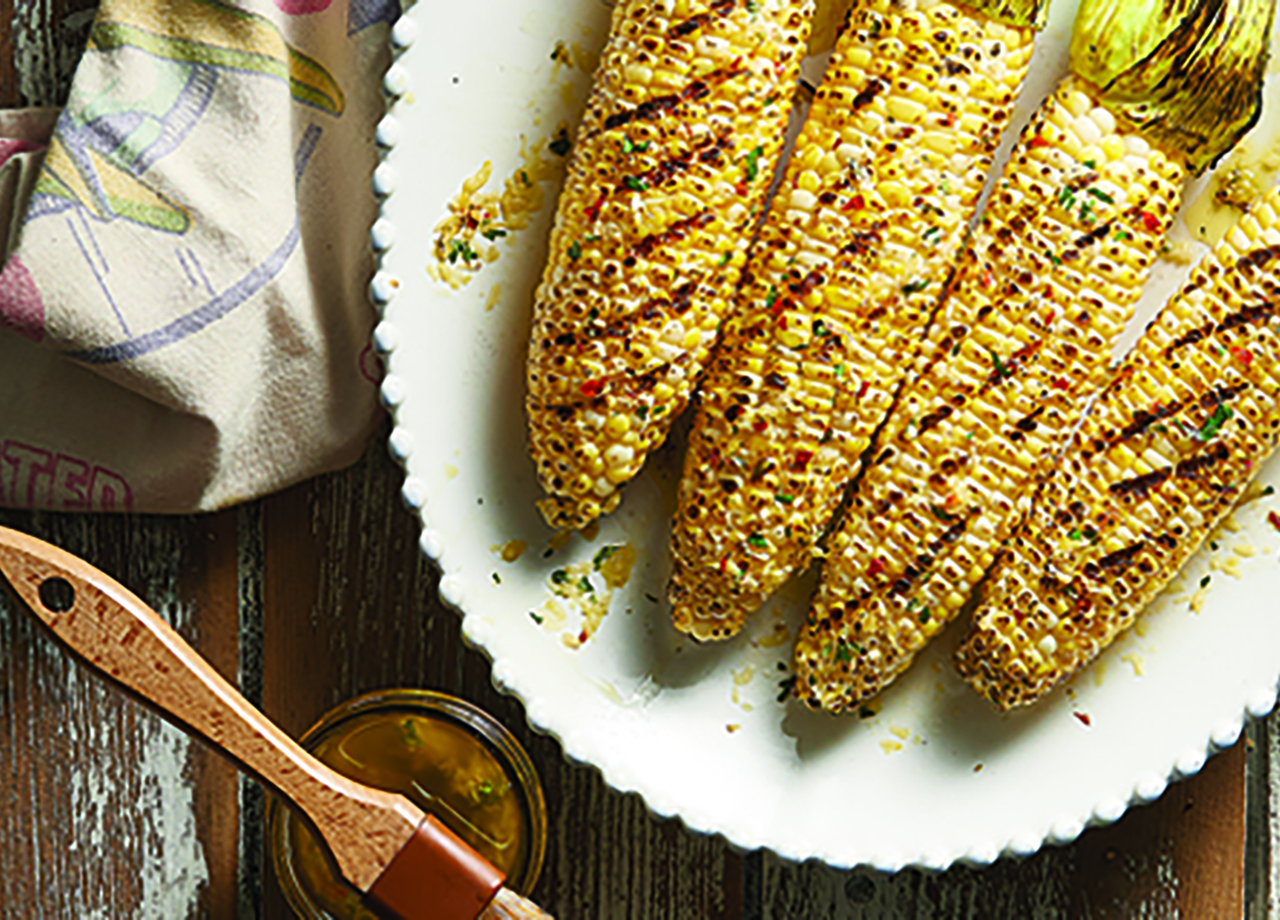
57, 595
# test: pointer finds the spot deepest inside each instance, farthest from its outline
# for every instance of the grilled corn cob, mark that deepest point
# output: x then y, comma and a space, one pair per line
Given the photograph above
1025, 335
668, 173
1163, 455
857, 246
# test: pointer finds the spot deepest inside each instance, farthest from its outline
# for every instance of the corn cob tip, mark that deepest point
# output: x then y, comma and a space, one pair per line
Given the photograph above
711, 608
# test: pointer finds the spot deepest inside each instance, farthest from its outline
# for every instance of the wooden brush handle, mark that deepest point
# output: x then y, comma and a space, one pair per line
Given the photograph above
109, 627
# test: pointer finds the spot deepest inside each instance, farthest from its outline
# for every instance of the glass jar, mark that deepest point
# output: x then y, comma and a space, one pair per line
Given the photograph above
449, 758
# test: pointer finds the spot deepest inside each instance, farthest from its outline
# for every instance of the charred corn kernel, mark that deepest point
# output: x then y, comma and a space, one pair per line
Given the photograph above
1178, 98
994, 367
1211, 356
838, 296
650, 232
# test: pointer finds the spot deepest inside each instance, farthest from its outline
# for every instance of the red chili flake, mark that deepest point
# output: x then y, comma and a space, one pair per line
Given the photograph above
988, 279
802, 458
862, 390
724, 564
876, 567
1243, 355
1062, 383
1150, 221
949, 119
759, 425
856, 203
1037, 141
1049, 316
593, 388
583, 637
714, 459
593, 212
1084, 718
1273, 519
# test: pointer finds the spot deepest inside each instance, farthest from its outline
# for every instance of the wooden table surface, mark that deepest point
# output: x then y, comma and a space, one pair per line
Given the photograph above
319, 593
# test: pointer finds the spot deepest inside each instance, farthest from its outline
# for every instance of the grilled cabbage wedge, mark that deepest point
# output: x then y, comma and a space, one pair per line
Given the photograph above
858, 245
1027, 333
1162, 457
665, 183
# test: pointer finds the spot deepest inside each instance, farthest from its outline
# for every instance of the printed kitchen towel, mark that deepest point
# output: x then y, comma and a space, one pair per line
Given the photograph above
183, 321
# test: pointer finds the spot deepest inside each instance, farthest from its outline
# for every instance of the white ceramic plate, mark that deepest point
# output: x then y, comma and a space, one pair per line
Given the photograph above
935, 776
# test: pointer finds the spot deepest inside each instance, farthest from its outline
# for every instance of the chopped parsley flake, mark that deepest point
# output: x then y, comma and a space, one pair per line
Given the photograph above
757, 541
493, 233
1204, 582
784, 498
584, 584
461, 249
915, 287
771, 298
1100, 195
561, 145
559, 577
575, 250
600, 557
753, 158
636, 184
1220, 417
537, 619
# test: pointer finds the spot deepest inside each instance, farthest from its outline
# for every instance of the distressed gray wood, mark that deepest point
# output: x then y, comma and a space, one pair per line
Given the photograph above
108, 811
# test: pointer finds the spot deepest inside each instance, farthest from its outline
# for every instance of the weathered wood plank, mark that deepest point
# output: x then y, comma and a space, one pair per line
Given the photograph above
108, 810
351, 606
1181, 856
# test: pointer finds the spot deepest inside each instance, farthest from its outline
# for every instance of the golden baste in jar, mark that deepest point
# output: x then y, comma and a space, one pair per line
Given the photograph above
451, 759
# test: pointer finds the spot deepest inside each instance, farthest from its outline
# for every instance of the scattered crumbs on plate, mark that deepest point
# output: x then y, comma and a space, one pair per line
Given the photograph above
940, 687
591, 531
1196, 602
779, 635
572, 54
1231, 566
747, 707
732, 727
1135, 661
1099, 672
891, 747
467, 237
937, 666
1071, 693
977, 767
1230, 524
741, 678
1141, 626
587, 588
1083, 718
511, 550
899, 732
450, 471
495, 294
559, 540
1245, 550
